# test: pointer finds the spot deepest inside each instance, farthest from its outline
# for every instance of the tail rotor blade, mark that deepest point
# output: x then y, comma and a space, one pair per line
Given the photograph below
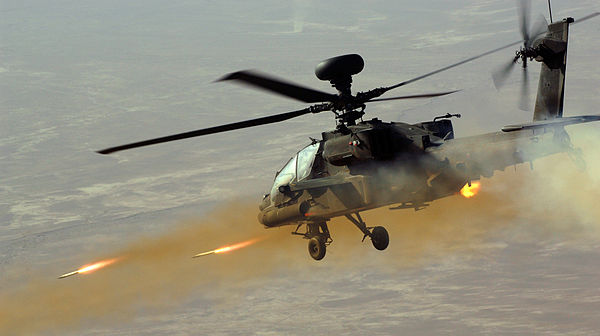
501, 74
524, 98
524, 8
539, 28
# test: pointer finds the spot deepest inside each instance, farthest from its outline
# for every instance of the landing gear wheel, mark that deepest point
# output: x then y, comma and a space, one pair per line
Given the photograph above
317, 248
380, 238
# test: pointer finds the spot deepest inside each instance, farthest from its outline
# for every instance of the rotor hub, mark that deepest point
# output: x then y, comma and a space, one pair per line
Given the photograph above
526, 53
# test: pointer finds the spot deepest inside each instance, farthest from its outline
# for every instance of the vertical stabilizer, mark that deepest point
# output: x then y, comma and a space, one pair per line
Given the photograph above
551, 51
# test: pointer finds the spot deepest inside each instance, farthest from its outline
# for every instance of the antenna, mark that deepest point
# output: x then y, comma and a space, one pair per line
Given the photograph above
550, 9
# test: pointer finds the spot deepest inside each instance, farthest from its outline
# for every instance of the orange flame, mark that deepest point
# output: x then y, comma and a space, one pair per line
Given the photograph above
90, 268
471, 191
229, 247
96, 266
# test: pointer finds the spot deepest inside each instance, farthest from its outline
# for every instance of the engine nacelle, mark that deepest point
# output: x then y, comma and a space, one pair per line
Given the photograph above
365, 145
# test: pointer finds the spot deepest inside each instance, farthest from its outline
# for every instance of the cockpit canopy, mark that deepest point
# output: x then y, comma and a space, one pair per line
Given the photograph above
296, 169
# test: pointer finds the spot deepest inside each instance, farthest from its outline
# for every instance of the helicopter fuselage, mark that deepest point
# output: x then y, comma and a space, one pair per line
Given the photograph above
363, 165
374, 164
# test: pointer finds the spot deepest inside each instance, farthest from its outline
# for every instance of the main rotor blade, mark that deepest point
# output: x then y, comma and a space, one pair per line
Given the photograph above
385, 89
426, 95
210, 130
280, 86
587, 17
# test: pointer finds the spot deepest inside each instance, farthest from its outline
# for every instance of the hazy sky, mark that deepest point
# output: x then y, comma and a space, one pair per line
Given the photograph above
78, 76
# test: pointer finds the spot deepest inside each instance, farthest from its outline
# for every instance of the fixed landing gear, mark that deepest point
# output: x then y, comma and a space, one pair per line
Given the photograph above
318, 238
380, 238
317, 247
379, 235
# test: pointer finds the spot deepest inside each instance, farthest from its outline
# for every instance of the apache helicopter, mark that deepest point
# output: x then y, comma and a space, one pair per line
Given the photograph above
366, 164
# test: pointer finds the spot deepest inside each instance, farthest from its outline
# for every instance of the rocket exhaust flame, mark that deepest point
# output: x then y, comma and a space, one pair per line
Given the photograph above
103, 263
90, 268
228, 248
470, 191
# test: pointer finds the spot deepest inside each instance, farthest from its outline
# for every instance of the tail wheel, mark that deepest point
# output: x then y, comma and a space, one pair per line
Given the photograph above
317, 248
380, 238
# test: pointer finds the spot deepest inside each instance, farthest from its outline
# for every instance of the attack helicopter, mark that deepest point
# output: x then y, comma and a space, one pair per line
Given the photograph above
366, 164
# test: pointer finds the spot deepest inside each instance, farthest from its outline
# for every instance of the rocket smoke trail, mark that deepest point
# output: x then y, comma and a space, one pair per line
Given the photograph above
158, 272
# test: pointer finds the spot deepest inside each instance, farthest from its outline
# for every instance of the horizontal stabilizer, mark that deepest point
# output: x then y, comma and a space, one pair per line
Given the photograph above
552, 123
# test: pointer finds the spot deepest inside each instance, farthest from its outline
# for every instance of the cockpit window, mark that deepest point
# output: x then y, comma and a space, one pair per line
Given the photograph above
285, 176
297, 168
306, 158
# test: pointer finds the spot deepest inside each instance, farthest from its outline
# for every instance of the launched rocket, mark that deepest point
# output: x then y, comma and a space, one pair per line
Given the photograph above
204, 254
228, 248
68, 274
90, 268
